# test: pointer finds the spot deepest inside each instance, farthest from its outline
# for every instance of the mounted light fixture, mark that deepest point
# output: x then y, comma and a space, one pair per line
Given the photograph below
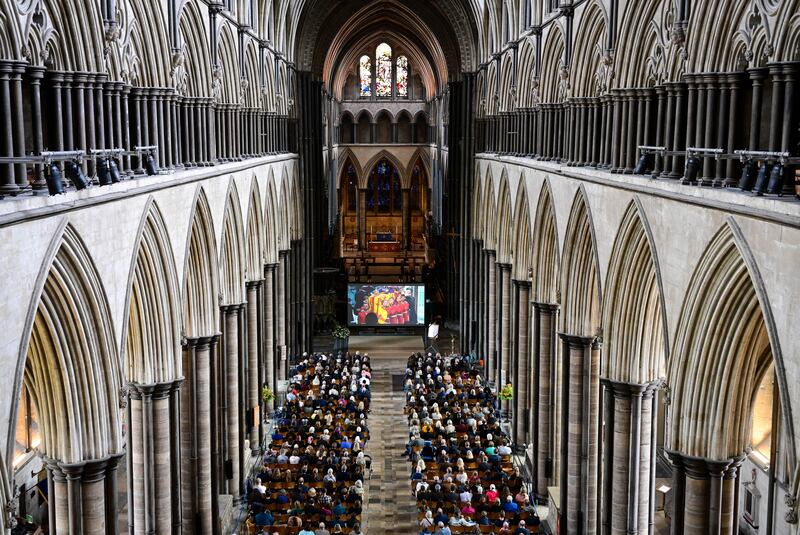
775, 186
761, 181
55, 182
748, 179
641, 165
75, 173
692, 168
103, 172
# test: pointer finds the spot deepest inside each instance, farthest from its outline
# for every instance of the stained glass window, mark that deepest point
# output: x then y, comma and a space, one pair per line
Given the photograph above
384, 189
383, 76
365, 74
371, 192
352, 188
415, 193
402, 76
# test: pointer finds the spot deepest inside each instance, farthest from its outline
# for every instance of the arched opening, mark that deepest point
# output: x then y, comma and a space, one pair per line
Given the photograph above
347, 129
364, 128
384, 128
68, 409
727, 408
348, 205
384, 202
404, 128
421, 129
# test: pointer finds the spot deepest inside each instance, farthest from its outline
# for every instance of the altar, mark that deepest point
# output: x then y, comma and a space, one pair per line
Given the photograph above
384, 242
383, 246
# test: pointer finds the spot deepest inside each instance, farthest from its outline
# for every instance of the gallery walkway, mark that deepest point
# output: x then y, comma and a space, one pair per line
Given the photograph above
389, 506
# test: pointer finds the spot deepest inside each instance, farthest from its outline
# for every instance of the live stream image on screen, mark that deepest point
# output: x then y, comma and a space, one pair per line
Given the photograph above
375, 305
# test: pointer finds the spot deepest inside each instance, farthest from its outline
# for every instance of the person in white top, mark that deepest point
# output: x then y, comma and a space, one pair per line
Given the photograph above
259, 486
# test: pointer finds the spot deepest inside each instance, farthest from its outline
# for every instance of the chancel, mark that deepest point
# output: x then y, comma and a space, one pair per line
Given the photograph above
399, 267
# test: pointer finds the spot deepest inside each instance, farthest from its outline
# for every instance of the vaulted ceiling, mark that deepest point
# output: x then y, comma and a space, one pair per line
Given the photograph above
440, 38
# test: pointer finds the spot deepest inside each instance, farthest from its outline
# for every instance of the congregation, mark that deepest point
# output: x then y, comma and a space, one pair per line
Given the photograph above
311, 481
462, 472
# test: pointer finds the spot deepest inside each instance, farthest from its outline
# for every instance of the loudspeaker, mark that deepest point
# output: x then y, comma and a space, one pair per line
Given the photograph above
548, 467
228, 469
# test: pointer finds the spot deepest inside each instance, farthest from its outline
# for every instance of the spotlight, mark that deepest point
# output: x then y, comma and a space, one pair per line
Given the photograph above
114, 171
775, 186
150, 164
641, 165
55, 183
748, 176
761, 181
75, 174
103, 172
692, 168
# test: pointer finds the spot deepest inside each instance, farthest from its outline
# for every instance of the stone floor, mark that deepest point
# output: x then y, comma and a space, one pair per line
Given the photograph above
389, 506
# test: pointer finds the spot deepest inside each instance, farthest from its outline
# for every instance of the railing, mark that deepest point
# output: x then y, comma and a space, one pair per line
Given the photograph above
83, 112
721, 130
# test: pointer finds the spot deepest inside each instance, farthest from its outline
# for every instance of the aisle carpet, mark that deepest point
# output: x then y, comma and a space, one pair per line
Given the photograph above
389, 506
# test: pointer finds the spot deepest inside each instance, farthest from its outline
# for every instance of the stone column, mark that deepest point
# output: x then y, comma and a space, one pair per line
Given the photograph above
81, 496
627, 450
18, 121
406, 215
704, 493
492, 314
195, 401
544, 322
361, 219
679, 141
36, 74
505, 330
269, 331
579, 433
8, 185
151, 452
522, 368
231, 344
253, 357
280, 301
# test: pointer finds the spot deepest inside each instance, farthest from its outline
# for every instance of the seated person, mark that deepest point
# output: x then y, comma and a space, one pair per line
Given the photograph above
264, 518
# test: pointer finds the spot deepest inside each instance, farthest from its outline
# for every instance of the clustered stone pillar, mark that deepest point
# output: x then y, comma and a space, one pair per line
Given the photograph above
491, 299
544, 337
579, 433
253, 358
83, 496
505, 329
231, 320
705, 494
522, 369
270, 377
151, 450
280, 301
197, 497
628, 457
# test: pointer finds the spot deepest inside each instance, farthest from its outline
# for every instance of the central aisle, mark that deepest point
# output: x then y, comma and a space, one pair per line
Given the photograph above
389, 506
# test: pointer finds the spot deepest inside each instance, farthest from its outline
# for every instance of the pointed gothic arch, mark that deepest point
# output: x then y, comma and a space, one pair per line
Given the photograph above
256, 235
201, 272
272, 221
504, 223
580, 278
383, 154
70, 364
489, 213
634, 324
545, 260
151, 339
725, 342
232, 251
523, 251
